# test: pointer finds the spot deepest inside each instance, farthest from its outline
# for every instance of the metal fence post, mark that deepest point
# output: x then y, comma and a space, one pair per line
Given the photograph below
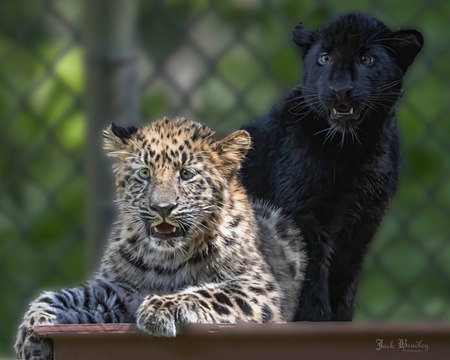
111, 96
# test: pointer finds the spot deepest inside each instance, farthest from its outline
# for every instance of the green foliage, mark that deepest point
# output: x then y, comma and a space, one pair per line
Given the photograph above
41, 172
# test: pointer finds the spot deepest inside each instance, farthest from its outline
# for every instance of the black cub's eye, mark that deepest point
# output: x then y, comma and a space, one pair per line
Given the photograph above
324, 59
186, 174
144, 173
366, 60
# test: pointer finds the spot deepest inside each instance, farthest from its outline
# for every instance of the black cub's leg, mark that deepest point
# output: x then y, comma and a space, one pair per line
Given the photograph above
349, 250
314, 299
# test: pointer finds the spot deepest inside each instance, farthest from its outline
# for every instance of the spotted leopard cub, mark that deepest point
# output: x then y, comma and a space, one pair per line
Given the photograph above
188, 246
204, 256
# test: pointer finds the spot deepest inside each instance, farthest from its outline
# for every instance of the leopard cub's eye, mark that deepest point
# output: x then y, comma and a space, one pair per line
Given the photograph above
324, 59
366, 60
186, 174
144, 173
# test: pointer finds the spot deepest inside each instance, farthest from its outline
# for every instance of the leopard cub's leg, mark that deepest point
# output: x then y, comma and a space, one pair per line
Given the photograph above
159, 314
94, 302
28, 345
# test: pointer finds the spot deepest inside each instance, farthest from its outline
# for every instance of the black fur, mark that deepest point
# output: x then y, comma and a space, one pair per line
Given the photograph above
328, 153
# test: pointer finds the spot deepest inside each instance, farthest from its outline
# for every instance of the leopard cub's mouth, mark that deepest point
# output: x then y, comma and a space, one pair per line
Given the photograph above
165, 230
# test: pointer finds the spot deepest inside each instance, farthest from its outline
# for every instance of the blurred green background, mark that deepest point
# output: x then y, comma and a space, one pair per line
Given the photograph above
221, 63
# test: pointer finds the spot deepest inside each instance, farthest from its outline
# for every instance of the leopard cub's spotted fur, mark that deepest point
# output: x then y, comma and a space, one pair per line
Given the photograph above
188, 246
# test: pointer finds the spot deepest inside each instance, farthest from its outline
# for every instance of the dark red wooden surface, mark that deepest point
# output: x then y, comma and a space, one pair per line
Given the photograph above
254, 341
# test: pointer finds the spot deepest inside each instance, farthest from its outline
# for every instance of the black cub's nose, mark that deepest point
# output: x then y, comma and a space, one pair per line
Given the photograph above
163, 209
342, 92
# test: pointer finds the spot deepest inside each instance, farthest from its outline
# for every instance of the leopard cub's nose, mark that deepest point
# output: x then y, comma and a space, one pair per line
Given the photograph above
163, 209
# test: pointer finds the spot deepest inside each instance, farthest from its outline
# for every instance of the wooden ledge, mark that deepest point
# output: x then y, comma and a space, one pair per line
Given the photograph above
254, 341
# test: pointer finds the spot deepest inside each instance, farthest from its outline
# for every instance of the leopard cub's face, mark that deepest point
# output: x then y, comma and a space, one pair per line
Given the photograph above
170, 179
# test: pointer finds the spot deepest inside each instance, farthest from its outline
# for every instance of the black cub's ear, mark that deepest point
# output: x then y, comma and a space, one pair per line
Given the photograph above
116, 137
303, 38
406, 44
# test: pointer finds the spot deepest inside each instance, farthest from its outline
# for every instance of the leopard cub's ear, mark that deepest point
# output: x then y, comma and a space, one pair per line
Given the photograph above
115, 138
231, 150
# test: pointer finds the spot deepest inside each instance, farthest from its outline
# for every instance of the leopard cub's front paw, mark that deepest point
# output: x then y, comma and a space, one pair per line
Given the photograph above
155, 317
158, 315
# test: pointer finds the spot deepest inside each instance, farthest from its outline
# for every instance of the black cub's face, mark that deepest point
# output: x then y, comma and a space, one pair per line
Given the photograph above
352, 67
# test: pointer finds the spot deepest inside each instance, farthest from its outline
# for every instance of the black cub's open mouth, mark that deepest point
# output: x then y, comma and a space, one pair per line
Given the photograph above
165, 231
343, 111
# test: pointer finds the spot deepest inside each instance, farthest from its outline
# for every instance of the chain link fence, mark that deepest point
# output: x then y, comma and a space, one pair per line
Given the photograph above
221, 63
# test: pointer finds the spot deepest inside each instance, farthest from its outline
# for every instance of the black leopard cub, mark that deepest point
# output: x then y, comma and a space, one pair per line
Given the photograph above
188, 246
328, 154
